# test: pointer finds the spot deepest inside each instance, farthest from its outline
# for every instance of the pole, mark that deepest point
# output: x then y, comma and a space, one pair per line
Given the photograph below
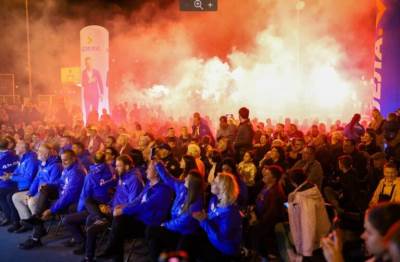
28, 47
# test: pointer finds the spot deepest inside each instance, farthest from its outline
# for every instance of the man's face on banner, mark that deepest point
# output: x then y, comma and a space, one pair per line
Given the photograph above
88, 63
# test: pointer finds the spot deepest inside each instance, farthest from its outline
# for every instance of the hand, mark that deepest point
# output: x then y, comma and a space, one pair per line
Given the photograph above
200, 215
43, 187
253, 218
332, 248
46, 214
5, 176
105, 209
118, 210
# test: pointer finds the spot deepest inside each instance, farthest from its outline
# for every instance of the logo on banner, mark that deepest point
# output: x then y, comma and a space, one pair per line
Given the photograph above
377, 88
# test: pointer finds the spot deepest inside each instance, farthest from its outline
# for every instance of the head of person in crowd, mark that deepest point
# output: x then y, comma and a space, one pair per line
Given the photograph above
271, 174
110, 141
187, 164
123, 164
215, 156
151, 174
11, 142
337, 137
222, 144
377, 222
122, 140
137, 158
196, 119
298, 145
248, 156
244, 114
376, 114
171, 132
322, 128
378, 160
297, 176
264, 140
78, 148
228, 165
390, 172
3, 144
111, 155
308, 153
292, 130
184, 131
277, 154
164, 151
194, 150
314, 132
349, 146
194, 183
44, 152
320, 141
392, 242
22, 147
279, 128
345, 163
68, 158
355, 119
92, 131
225, 188
99, 157
369, 137
65, 141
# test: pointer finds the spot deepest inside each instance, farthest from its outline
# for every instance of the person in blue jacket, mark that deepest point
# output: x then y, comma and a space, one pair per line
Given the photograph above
22, 177
150, 208
49, 172
8, 163
222, 224
174, 233
83, 155
129, 186
96, 186
65, 193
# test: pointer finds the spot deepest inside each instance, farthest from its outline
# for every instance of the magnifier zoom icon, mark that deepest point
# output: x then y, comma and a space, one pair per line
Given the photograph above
198, 4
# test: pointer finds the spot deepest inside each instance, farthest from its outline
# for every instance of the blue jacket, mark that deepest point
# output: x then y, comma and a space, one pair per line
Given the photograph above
49, 173
129, 186
95, 185
70, 187
86, 160
26, 170
181, 222
152, 205
223, 227
8, 163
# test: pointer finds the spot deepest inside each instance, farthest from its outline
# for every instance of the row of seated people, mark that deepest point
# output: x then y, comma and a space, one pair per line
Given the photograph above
168, 212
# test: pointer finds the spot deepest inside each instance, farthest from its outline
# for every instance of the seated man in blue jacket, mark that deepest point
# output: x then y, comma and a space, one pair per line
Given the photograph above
150, 208
83, 155
96, 186
49, 173
129, 186
65, 193
22, 177
8, 163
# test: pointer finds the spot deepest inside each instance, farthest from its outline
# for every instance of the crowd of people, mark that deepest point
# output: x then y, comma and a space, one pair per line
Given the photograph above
241, 191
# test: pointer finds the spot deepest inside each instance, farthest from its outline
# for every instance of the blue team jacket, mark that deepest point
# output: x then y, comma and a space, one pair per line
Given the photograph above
26, 170
152, 206
223, 227
96, 185
49, 173
8, 163
181, 222
70, 187
129, 186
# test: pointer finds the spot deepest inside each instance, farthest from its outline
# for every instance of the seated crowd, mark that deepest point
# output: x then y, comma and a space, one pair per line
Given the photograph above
252, 191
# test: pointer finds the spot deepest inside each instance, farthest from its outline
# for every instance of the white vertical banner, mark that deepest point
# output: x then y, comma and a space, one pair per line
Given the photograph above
94, 67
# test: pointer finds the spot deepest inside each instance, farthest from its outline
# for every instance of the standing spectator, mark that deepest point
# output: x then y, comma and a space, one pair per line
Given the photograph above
244, 136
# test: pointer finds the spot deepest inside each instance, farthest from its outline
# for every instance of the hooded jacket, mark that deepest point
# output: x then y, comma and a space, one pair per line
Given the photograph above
26, 170
8, 163
152, 206
49, 173
70, 187
129, 186
308, 219
223, 227
181, 222
95, 185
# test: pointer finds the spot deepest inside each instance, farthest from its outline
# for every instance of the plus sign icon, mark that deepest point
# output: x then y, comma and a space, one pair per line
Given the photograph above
198, 5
